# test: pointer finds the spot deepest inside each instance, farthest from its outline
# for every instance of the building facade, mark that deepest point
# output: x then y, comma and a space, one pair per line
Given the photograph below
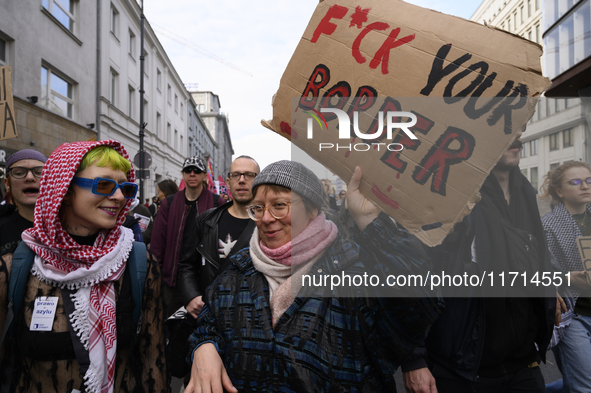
165, 98
520, 17
557, 132
200, 140
567, 39
567, 36
51, 50
76, 76
208, 105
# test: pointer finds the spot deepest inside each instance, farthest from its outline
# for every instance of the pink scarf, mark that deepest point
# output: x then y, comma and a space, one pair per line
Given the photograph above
62, 262
283, 267
318, 235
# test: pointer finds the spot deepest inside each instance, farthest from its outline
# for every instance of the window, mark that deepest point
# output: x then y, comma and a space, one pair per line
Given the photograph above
62, 10
554, 144
538, 33
554, 166
529, 35
523, 152
168, 133
131, 101
176, 139
176, 103
182, 106
168, 94
534, 178
567, 103
567, 138
146, 63
528, 8
158, 80
503, 27
537, 5
158, 121
522, 14
3, 46
113, 87
509, 24
114, 20
533, 147
515, 21
56, 93
131, 47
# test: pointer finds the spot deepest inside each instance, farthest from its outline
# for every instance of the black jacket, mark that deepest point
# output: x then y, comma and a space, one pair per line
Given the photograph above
456, 339
201, 264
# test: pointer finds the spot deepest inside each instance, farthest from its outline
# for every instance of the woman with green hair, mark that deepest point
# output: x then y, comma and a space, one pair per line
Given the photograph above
81, 260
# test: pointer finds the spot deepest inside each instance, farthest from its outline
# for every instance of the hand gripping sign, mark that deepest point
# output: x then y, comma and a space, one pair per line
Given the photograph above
424, 102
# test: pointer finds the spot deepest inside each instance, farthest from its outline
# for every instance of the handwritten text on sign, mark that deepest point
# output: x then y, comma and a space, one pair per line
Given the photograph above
7, 118
369, 75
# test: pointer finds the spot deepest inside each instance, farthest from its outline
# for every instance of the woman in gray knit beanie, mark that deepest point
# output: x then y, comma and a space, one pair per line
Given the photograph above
259, 331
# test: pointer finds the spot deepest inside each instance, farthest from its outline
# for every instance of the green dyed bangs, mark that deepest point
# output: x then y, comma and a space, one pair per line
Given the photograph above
105, 156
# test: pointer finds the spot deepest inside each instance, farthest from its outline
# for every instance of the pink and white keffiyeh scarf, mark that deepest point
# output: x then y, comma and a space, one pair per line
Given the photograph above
62, 262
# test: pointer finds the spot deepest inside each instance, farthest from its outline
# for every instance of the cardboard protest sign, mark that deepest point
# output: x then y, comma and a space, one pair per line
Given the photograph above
425, 103
7, 113
584, 244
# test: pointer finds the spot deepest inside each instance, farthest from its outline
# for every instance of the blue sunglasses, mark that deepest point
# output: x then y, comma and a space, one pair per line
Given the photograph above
107, 187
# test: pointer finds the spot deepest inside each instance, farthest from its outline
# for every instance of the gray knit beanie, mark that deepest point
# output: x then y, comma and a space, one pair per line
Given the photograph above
296, 177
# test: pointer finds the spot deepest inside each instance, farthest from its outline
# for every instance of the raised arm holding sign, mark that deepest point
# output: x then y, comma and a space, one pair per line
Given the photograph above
369, 68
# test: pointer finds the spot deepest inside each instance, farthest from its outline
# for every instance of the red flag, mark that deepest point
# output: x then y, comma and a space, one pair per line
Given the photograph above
223, 187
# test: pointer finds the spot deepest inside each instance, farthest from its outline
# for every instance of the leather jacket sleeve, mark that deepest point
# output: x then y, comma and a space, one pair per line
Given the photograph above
416, 359
190, 266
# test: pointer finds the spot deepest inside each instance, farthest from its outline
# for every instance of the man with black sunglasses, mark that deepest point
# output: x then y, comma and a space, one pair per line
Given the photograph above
219, 233
23, 173
175, 221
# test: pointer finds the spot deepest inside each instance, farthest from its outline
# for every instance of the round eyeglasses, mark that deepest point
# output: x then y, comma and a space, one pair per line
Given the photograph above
20, 172
277, 209
578, 182
107, 187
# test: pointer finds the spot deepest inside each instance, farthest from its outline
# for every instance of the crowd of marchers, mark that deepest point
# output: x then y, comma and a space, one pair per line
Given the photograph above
99, 293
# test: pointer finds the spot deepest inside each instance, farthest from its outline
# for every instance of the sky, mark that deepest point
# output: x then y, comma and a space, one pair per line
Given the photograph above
243, 48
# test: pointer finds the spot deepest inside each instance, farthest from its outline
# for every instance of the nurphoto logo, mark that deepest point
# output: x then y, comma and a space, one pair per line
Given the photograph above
345, 129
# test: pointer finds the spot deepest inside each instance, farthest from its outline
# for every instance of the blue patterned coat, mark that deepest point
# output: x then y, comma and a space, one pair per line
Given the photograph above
321, 343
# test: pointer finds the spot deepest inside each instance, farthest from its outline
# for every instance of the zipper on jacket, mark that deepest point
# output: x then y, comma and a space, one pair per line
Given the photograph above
207, 258
176, 249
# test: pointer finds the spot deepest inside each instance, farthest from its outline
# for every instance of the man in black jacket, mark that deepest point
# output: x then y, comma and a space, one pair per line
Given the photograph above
484, 343
219, 233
